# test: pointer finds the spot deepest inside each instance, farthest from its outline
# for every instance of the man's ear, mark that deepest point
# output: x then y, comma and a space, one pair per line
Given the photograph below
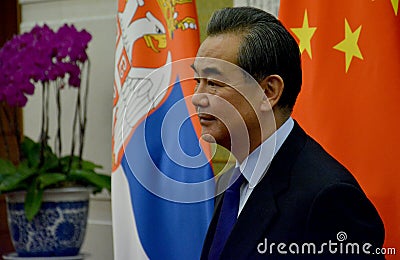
273, 88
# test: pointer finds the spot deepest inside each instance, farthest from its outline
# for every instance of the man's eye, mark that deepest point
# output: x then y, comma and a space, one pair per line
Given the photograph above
212, 83
197, 80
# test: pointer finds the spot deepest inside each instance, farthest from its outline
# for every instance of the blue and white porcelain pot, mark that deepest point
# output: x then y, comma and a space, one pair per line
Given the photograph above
57, 230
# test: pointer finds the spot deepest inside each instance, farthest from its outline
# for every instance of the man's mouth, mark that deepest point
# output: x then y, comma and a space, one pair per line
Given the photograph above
205, 118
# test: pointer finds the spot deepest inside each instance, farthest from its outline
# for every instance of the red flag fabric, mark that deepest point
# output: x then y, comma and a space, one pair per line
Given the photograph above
351, 89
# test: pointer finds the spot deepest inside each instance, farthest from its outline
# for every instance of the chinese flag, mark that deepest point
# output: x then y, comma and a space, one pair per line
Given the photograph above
350, 98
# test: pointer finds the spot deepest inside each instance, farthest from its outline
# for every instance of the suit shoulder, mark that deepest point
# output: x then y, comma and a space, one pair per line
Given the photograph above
318, 167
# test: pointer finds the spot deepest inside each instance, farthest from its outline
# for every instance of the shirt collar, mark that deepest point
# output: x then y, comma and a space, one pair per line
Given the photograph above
255, 165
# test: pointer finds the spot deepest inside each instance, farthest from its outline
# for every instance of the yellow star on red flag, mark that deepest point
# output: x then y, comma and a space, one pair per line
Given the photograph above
304, 34
395, 4
350, 44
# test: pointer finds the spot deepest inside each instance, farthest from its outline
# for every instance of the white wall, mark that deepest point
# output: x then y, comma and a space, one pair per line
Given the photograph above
271, 6
98, 18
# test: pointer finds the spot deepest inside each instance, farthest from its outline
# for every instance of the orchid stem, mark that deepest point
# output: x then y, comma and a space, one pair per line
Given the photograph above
85, 69
73, 133
3, 132
58, 101
17, 132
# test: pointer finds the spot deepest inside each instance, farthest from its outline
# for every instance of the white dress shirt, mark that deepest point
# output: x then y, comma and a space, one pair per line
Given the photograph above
256, 164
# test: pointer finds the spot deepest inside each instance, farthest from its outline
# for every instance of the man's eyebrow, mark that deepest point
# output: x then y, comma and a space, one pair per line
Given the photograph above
207, 71
211, 71
193, 67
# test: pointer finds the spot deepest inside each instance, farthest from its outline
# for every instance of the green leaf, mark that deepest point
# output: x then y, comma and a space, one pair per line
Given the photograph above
48, 179
90, 178
31, 151
33, 201
85, 165
12, 182
6, 169
51, 162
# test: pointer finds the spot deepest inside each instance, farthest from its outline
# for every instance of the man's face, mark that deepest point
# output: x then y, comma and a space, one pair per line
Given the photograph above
227, 100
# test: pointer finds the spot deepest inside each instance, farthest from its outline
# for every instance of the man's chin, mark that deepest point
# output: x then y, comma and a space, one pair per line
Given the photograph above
208, 138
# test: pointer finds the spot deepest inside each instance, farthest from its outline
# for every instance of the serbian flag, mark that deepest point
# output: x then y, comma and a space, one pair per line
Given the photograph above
162, 181
351, 90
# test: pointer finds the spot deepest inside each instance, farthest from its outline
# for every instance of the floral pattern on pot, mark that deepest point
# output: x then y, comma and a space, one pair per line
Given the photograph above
58, 229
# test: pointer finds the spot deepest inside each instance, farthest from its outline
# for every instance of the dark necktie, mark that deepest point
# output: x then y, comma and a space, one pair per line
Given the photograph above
228, 215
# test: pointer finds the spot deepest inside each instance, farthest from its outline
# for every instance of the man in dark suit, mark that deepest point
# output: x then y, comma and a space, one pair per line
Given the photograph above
295, 200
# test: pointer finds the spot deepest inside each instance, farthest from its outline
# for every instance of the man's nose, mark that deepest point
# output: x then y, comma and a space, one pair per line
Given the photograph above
200, 97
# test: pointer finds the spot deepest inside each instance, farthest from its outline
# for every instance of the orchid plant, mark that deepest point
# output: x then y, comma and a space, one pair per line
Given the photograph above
47, 60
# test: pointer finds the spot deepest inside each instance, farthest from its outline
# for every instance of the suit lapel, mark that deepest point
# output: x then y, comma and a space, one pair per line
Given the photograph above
256, 216
220, 187
211, 231
260, 209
